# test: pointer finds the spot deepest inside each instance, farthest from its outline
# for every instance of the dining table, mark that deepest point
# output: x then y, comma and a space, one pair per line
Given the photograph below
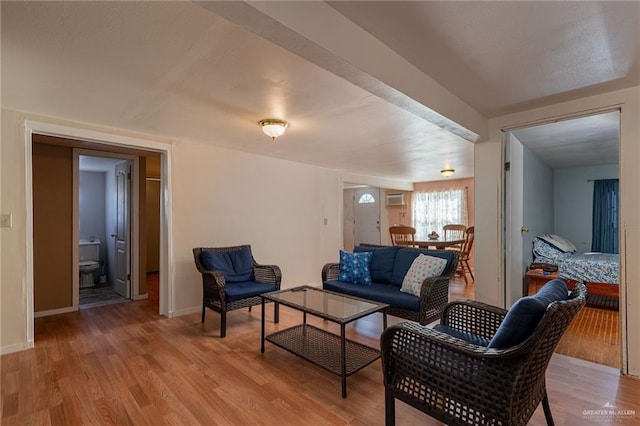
438, 243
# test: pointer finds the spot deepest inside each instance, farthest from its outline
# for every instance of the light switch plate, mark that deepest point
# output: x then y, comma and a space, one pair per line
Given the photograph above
5, 221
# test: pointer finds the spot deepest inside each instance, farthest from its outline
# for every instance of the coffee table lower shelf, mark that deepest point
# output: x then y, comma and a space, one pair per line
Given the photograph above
323, 348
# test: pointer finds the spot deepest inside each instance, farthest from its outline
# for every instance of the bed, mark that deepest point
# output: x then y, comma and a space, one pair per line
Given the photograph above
599, 271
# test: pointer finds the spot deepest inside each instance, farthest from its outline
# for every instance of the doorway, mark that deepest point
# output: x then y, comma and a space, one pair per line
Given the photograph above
93, 140
361, 215
550, 171
102, 222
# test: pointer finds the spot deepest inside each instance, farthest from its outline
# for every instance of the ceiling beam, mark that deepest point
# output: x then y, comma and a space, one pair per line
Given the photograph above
323, 36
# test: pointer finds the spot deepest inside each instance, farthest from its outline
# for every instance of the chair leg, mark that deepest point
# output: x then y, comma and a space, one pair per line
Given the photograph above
547, 410
470, 272
276, 312
389, 408
249, 308
203, 311
223, 324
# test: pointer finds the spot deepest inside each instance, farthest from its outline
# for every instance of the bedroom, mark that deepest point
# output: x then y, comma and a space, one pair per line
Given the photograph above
553, 170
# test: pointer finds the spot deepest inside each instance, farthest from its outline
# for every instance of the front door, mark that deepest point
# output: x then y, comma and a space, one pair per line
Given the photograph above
122, 235
366, 212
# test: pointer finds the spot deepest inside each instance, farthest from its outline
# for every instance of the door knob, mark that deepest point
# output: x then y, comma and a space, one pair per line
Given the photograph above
114, 235
524, 229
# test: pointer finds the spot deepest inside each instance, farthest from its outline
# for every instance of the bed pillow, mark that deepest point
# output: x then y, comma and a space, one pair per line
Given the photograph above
423, 267
558, 242
354, 267
544, 250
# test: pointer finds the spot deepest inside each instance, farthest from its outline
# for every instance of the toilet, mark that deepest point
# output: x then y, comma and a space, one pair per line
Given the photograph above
89, 262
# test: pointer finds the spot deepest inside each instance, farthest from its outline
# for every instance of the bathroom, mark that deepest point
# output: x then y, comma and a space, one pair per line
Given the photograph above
97, 225
97, 218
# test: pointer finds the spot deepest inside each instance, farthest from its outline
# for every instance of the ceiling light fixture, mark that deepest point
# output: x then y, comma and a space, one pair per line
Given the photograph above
447, 172
273, 127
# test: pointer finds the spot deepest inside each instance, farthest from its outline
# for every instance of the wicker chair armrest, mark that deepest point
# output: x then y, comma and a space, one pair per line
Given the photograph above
330, 271
411, 333
434, 295
268, 274
213, 282
471, 316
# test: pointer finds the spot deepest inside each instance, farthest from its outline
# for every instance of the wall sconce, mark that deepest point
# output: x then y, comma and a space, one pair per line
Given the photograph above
447, 172
273, 127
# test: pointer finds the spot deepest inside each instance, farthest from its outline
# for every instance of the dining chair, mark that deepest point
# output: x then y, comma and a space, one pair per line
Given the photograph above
465, 254
402, 235
454, 231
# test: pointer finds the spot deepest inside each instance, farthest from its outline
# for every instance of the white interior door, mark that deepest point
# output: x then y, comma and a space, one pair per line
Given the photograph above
514, 217
366, 213
122, 284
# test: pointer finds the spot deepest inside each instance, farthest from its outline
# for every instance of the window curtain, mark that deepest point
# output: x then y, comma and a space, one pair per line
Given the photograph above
605, 216
434, 209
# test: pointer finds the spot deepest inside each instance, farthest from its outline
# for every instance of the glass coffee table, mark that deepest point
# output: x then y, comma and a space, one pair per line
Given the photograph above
335, 353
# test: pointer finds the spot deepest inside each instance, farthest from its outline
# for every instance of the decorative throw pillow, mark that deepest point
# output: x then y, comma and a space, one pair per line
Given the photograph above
423, 267
354, 267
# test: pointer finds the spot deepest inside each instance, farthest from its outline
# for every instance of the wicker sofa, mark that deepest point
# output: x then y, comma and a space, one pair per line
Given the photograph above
388, 267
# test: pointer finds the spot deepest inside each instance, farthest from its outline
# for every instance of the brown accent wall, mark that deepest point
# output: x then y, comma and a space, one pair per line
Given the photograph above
52, 226
142, 229
153, 213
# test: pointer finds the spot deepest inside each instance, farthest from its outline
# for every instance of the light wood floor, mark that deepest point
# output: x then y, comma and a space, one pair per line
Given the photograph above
124, 364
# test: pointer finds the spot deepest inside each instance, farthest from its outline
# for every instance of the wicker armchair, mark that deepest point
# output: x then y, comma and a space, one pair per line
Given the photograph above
458, 382
216, 295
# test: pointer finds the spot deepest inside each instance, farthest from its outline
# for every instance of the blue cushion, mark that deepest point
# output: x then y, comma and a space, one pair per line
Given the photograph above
236, 265
406, 256
382, 262
354, 267
384, 293
242, 290
524, 315
467, 337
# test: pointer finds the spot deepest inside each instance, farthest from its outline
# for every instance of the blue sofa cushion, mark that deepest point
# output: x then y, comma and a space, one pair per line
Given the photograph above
242, 290
384, 293
236, 265
523, 317
354, 267
381, 263
467, 337
406, 256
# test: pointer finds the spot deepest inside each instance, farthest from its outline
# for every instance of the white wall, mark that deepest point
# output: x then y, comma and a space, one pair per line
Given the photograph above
489, 284
220, 197
224, 197
573, 201
92, 209
538, 201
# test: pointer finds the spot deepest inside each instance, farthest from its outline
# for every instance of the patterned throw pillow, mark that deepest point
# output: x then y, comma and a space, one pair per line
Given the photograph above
423, 267
354, 267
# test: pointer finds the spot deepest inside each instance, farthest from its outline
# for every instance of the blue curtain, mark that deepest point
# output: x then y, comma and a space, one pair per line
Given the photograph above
605, 216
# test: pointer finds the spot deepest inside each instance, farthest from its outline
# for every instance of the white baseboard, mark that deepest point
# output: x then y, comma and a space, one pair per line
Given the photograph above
141, 296
55, 311
185, 311
16, 348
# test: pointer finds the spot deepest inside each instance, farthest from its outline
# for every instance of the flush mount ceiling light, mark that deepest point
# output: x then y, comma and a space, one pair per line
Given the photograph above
273, 127
447, 172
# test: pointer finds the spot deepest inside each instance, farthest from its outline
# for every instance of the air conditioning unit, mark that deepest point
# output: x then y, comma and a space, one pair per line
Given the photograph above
395, 199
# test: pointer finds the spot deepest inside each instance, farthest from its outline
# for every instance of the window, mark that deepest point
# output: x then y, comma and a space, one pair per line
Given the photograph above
605, 216
366, 199
434, 209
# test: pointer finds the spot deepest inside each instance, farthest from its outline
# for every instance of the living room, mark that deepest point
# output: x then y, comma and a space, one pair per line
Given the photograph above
224, 181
